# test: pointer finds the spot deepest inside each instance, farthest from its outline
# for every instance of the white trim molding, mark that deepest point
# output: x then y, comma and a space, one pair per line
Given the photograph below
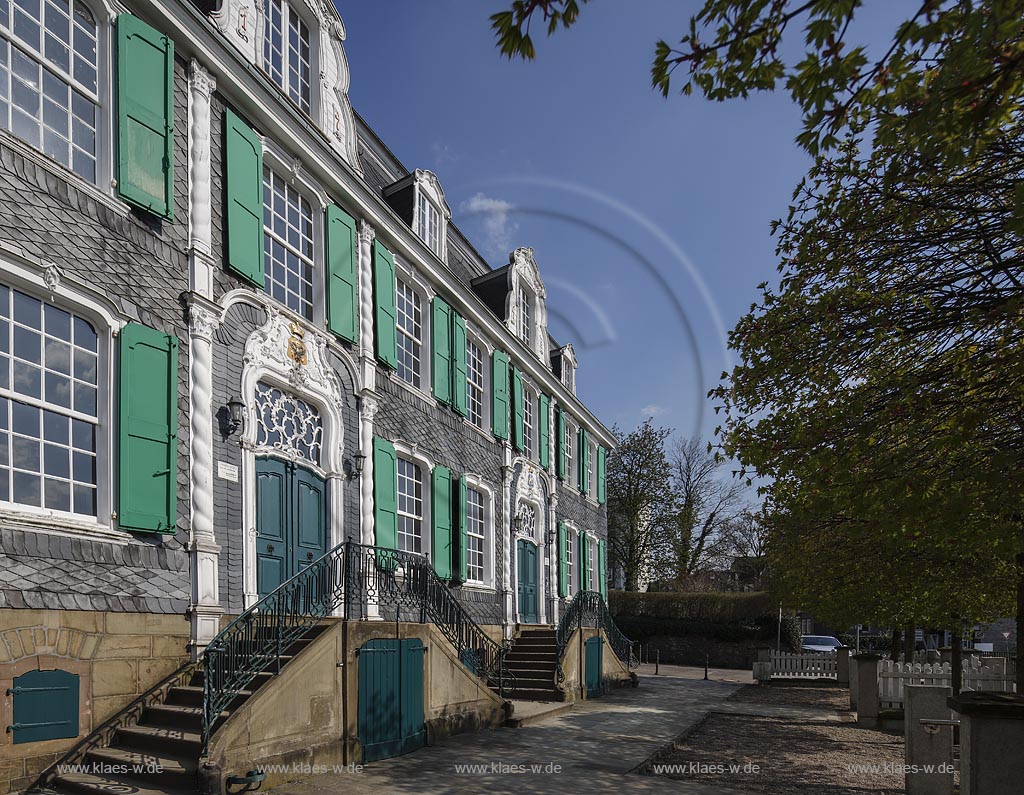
526, 284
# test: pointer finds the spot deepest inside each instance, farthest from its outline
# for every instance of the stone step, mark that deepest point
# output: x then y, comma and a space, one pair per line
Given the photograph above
89, 784
176, 716
526, 713
535, 694
192, 696
163, 769
160, 738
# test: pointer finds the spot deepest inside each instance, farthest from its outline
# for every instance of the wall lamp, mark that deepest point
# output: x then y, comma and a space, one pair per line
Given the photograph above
235, 419
354, 467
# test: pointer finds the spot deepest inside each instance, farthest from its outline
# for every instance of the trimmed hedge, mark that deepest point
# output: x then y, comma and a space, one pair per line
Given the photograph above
710, 606
762, 629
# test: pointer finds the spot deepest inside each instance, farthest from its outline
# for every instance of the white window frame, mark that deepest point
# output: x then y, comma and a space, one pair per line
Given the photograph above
422, 349
484, 375
570, 431
524, 317
428, 222
299, 10
427, 194
592, 471
411, 453
423, 500
33, 277
571, 544
592, 563
313, 261
529, 423
477, 484
102, 185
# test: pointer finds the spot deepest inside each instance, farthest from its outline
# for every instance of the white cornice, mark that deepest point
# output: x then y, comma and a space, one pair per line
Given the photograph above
257, 97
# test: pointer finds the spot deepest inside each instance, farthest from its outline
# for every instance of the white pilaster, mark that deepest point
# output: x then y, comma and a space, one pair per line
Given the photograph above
554, 551
509, 536
205, 611
201, 88
367, 355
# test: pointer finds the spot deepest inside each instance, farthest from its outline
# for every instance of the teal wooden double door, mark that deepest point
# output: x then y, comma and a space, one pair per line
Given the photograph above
291, 521
391, 697
526, 589
593, 663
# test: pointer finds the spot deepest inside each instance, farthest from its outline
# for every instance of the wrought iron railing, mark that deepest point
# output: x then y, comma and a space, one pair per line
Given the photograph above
588, 609
363, 581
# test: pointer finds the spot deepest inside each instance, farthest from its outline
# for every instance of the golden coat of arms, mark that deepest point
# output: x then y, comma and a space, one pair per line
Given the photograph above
297, 344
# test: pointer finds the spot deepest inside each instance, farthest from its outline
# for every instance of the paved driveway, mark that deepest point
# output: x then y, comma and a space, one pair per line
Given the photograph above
593, 748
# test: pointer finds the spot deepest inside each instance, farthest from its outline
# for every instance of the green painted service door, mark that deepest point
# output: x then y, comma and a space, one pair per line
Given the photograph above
291, 521
527, 581
593, 662
391, 697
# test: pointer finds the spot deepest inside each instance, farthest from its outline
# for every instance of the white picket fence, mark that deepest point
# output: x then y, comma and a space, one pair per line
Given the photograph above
892, 676
810, 665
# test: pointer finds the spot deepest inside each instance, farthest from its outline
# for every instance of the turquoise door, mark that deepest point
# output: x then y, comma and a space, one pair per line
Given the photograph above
527, 581
592, 665
291, 521
391, 697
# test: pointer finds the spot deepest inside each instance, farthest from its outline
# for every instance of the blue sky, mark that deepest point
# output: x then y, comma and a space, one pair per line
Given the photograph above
649, 216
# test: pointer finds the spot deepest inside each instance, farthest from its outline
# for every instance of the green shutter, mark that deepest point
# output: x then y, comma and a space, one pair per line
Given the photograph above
385, 494
461, 562
384, 302
563, 560
543, 437
499, 402
441, 516
459, 374
145, 116
560, 447
583, 456
46, 706
342, 296
601, 492
244, 175
582, 567
441, 336
517, 410
148, 420
602, 584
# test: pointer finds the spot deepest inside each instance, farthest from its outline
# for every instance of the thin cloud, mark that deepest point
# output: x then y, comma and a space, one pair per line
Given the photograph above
442, 154
653, 410
498, 227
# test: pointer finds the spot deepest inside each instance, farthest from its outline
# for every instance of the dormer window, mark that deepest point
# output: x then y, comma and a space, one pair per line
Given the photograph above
526, 313
286, 52
565, 364
428, 223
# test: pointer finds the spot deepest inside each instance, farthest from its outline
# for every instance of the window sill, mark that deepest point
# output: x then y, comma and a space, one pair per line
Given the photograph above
479, 587
60, 525
108, 199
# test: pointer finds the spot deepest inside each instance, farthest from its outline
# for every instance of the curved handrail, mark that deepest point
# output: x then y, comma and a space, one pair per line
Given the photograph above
589, 609
361, 578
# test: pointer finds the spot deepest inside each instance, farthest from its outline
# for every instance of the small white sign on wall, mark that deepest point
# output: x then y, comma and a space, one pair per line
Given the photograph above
227, 471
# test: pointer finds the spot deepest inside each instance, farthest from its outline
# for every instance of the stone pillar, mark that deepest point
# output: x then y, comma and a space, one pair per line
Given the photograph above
507, 537
991, 739
867, 689
927, 745
200, 195
205, 610
764, 653
843, 666
853, 682
553, 553
367, 349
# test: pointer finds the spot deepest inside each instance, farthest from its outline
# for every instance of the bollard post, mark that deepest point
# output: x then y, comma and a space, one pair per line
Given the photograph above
706, 661
927, 745
843, 666
991, 736
657, 660
853, 682
867, 690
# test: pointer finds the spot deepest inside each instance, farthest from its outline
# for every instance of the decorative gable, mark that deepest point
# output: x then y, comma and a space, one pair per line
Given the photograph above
526, 313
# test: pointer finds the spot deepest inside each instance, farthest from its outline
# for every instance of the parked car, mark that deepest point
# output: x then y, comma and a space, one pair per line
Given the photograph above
819, 643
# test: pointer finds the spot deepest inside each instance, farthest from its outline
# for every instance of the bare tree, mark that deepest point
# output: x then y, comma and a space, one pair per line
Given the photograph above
706, 502
639, 494
746, 540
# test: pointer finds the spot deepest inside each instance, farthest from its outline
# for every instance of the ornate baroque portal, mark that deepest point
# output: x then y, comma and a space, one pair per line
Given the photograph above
294, 409
530, 522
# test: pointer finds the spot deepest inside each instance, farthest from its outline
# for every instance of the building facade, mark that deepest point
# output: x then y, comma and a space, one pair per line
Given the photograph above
235, 332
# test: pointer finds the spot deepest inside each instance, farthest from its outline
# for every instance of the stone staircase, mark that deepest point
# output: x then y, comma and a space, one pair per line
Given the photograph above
533, 661
161, 750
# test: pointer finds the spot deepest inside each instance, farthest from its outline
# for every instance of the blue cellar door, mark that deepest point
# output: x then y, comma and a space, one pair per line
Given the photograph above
593, 651
391, 695
291, 521
527, 581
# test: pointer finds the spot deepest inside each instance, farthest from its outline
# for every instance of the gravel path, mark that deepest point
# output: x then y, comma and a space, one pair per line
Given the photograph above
824, 697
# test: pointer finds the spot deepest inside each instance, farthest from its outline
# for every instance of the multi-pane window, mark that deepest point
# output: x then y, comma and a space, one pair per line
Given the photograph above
569, 377
48, 79
591, 480
409, 340
570, 555
474, 536
287, 244
410, 507
475, 383
570, 443
49, 405
591, 568
525, 318
528, 412
428, 223
286, 52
